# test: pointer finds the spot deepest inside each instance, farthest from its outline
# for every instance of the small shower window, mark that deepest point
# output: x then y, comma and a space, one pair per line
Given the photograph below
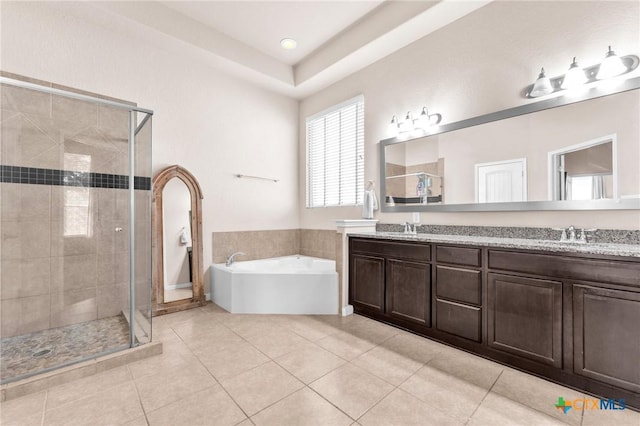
77, 200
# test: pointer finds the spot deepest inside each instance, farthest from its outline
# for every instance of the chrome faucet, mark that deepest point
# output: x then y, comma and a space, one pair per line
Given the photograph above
408, 230
231, 257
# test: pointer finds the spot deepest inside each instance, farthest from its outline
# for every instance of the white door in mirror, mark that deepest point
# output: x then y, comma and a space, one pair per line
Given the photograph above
502, 181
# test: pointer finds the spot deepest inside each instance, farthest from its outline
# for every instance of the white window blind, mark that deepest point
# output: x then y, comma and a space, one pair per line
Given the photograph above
335, 155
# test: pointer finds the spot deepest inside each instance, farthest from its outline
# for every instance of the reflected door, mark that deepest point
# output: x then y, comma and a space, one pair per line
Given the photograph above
501, 182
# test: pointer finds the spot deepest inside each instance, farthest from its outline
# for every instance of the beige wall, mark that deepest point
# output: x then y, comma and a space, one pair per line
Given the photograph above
476, 65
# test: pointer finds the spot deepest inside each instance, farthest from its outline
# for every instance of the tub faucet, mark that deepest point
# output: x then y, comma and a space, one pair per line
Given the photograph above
231, 257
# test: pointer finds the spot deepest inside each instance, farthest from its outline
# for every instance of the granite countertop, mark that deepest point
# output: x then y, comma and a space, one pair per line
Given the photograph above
609, 249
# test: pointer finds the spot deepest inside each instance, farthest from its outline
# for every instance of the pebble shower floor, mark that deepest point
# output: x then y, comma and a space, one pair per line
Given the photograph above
28, 354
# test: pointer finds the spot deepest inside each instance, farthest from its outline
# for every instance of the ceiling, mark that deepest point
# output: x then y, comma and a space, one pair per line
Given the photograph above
262, 24
335, 37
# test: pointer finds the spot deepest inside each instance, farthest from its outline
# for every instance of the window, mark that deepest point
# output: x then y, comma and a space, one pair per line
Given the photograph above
335, 155
77, 200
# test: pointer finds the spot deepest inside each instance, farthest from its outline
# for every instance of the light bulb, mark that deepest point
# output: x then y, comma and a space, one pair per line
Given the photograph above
407, 124
542, 86
611, 66
423, 120
574, 77
393, 127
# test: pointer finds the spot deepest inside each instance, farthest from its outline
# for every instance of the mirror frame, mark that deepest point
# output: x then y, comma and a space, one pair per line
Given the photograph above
198, 297
554, 102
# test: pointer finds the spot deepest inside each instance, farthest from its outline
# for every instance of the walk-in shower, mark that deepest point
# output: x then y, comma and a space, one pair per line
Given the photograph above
75, 246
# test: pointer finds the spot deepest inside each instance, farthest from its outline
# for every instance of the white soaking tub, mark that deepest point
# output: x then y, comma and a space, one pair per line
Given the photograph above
280, 285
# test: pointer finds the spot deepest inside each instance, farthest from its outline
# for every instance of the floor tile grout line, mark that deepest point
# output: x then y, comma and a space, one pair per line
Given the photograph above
231, 377
135, 385
44, 407
332, 404
275, 402
210, 374
485, 396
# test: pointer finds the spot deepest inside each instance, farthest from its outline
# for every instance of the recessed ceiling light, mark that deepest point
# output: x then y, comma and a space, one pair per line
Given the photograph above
288, 43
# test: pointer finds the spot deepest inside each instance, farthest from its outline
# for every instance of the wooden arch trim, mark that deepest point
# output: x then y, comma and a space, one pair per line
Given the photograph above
159, 182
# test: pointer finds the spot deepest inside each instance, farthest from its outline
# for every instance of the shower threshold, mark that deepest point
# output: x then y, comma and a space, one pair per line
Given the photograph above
26, 355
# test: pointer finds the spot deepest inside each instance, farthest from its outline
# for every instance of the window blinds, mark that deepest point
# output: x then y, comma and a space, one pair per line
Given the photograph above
335, 155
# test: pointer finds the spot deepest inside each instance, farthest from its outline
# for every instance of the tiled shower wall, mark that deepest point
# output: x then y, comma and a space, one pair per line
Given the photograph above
52, 273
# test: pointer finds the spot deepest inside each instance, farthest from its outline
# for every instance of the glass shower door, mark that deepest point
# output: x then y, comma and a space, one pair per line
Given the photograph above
75, 226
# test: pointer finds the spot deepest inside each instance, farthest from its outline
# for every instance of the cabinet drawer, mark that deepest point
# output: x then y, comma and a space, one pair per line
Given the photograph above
460, 320
459, 255
409, 251
561, 266
462, 285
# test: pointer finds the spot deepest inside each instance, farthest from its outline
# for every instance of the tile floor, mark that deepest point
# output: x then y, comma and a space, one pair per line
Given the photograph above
224, 369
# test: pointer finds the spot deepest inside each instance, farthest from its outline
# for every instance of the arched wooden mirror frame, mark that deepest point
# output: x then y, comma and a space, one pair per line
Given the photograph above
198, 299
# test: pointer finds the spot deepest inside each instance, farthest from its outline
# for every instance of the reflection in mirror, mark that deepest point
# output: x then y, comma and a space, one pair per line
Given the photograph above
585, 171
414, 173
176, 213
584, 152
501, 181
176, 218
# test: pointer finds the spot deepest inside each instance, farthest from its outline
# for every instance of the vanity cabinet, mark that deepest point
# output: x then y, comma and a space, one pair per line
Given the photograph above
408, 286
606, 335
367, 282
572, 318
525, 317
391, 280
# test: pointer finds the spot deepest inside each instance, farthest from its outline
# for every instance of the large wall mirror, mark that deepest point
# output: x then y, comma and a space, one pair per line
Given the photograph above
177, 241
565, 153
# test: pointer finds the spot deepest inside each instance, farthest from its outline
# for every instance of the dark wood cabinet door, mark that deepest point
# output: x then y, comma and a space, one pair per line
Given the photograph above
366, 283
606, 335
409, 291
525, 317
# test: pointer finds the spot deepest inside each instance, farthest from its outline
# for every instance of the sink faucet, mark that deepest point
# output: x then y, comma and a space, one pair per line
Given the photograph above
231, 257
408, 230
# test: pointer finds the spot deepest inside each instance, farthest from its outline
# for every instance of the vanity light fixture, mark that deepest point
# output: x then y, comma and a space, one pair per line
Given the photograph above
393, 127
542, 86
612, 66
574, 77
410, 124
288, 43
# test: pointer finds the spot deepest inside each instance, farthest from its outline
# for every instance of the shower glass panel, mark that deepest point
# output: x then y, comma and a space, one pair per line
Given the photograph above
65, 224
142, 237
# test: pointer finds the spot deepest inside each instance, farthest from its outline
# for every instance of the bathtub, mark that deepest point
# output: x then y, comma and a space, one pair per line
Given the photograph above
280, 285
